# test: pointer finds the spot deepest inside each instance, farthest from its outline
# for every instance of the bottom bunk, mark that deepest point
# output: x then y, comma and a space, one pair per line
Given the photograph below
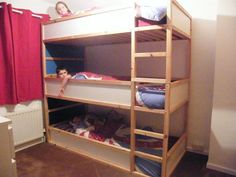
105, 137
117, 157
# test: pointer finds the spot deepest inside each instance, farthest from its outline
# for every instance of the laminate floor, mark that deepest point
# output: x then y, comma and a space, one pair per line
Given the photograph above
46, 160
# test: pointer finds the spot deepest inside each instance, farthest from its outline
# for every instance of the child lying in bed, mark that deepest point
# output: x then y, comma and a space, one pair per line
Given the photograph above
63, 72
63, 10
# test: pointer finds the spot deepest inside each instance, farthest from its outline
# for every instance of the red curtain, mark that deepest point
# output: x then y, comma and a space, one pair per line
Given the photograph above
25, 38
7, 72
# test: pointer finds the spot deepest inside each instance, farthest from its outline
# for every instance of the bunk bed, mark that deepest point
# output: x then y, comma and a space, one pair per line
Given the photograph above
64, 42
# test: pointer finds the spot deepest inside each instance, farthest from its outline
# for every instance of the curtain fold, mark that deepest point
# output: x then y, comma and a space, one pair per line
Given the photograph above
25, 37
7, 72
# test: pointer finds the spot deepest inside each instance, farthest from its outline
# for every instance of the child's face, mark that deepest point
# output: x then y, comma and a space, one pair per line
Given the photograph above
61, 9
63, 73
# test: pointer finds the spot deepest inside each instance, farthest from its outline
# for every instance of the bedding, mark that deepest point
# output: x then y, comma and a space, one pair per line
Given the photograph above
151, 10
92, 76
110, 129
107, 127
151, 96
148, 167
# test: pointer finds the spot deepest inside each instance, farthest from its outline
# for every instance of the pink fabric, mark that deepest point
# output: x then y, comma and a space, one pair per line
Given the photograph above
145, 22
23, 33
90, 75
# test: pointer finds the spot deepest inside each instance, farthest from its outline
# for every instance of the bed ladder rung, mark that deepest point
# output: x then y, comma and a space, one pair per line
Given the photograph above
149, 28
145, 109
150, 54
149, 133
148, 156
149, 80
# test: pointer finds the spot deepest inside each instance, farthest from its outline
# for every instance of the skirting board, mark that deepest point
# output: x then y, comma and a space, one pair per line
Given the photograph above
221, 168
29, 144
190, 149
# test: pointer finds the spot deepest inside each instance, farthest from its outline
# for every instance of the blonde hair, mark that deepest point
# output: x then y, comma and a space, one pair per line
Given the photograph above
61, 2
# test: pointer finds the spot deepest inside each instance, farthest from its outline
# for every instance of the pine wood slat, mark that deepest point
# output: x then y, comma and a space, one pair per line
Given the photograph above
63, 59
182, 9
149, 134
64, 107
122, 149
145, 109
148, 28
149, 80
150, 54
136, 173
93, 102
175, 146
148, 156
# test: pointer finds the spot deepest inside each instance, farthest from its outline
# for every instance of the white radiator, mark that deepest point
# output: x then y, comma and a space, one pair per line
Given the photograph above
27, 125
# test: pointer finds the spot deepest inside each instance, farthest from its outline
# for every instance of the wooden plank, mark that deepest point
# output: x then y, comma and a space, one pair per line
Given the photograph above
99, 103
133, 91
113, 147
168, 72
77, 37
93, 12
64, 59
132, 128
145, 109
148, 28
46, 118
150, 54
178, 82
169, 55
180, 34
179, 105
139, 174
182, 9
180, 20
175, 157
101, 82
103, 162
148, 133
63, 107
179, 95
73, 141
148, 156
175, 146
149, 80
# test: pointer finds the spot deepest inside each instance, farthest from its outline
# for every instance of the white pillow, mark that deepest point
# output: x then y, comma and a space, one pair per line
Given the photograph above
152, 9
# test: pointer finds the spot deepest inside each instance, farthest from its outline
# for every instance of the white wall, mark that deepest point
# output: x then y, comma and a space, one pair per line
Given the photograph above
203, 55
37, 6
222, 152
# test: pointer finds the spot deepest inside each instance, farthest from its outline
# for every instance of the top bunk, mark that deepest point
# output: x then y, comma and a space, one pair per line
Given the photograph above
114, 25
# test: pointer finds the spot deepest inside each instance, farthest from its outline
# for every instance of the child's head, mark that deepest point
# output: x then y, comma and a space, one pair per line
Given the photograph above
62, 72
62, 9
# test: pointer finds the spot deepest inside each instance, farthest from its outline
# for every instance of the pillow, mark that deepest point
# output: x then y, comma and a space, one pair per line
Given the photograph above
152, 9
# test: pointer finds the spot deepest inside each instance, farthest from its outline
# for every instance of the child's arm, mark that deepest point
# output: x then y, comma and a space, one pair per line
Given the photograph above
63, 85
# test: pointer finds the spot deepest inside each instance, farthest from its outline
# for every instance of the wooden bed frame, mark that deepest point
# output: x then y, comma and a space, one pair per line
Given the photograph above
117, 25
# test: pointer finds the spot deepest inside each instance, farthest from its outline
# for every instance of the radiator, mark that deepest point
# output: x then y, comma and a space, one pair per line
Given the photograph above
27, 125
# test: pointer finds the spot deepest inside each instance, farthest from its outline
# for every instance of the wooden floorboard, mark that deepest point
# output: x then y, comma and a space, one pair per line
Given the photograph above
46, 160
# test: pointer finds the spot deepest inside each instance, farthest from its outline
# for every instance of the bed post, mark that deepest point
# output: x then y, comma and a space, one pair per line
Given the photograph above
133, 88
167, 87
